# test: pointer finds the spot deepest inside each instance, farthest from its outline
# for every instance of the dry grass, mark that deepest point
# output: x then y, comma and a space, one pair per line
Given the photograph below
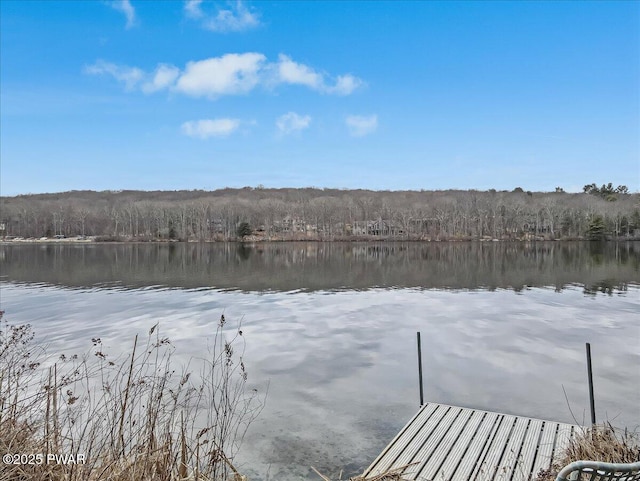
601, 443
133, 417
396, 474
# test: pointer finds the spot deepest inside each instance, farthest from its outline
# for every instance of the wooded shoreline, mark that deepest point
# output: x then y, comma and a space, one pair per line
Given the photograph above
260, 215
249, 241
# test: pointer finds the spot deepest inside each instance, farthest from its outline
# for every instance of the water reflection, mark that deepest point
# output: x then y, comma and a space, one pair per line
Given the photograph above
599, 267
341, 366
338, 355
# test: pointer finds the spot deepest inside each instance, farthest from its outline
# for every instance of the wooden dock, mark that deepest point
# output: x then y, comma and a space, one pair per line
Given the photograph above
449, 443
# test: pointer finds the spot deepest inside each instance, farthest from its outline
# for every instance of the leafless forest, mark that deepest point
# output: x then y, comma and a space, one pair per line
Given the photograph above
324, 214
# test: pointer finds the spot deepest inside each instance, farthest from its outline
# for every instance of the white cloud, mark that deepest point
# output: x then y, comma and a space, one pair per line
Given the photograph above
205, 128
125, 7
192, 9
129, 76
235, 19
359, 126
292, 122
296, 73
346, 84
164, 77
291, 72
230, 74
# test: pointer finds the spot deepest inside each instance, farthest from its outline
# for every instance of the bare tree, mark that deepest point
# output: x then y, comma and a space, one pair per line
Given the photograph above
318, 214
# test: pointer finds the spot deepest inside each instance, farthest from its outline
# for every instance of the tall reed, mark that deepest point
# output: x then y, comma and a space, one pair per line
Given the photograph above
135, 416
602, 443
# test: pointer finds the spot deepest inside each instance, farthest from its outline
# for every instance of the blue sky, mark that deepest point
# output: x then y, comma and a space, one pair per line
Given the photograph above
379, 95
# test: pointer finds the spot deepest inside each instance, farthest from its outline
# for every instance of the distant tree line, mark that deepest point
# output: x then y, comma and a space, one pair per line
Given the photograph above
607, 192
325, 214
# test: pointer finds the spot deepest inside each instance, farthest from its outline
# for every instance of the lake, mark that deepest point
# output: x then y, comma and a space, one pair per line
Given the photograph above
331, 328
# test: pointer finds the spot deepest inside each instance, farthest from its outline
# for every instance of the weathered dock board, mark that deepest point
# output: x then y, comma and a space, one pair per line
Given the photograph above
449, 443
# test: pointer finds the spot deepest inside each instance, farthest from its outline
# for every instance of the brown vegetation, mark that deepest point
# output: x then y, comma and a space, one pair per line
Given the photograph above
321, 214
125, 418
395, 474
601, 443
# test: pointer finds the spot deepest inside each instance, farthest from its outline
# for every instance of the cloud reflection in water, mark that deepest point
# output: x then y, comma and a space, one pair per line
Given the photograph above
342, 365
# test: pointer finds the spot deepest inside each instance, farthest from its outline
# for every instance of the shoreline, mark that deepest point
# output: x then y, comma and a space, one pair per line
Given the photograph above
250, 241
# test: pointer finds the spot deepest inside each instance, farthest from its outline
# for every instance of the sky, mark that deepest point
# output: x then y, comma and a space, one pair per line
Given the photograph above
199, 94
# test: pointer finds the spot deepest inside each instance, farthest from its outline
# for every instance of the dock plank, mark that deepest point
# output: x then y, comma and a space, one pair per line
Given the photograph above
485, 470
544, 456
454, 440
449, 443
389, 456
462, 467
420, 448
509, 458
523, 468
563, 436
438, 444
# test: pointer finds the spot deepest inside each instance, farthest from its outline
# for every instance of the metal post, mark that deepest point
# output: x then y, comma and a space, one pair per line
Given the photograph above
590, 374
420, 369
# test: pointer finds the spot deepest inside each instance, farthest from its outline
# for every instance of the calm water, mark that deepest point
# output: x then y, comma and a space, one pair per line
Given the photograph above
332, 328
